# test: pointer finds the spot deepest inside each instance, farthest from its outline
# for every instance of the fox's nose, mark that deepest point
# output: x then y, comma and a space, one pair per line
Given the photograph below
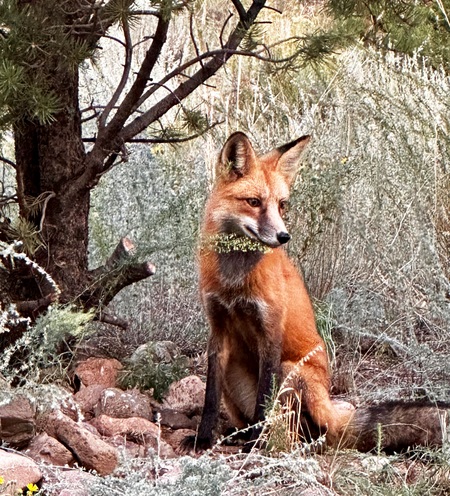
283, 237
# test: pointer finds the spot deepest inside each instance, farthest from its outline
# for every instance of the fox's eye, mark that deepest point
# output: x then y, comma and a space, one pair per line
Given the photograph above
283, 204
253, 202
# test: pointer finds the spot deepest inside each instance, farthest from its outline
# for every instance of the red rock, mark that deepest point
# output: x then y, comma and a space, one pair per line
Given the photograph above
123, 404
44, 448
176, 420
87, 398
174, 438
135, 429
17, 423
18, 468
102, 371
186, 396
90, 451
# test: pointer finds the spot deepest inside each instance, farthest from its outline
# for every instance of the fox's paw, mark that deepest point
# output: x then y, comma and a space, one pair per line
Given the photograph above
255, 441
192, 444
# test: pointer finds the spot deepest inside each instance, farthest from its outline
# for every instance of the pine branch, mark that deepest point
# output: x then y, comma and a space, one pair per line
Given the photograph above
98, 20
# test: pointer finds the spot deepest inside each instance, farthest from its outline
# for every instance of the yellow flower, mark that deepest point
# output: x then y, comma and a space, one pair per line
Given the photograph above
2, 479
32, 488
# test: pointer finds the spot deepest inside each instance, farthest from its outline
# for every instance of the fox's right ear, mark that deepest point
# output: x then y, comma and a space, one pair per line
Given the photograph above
237, 156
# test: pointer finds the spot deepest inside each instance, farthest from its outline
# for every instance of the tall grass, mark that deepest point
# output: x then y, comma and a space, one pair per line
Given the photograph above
369, 211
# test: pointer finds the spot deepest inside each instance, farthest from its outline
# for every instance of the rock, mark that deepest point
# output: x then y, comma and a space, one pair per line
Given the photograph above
18, 468
17, 422
135, 429
67, 482
175, 420
92, 452
102, 371
174, 438
157, 351
186, 396
123, 404
44, 448
87, 398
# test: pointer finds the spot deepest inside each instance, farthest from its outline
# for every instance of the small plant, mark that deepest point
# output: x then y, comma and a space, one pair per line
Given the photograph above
227, 243
324, 322
282, 431
147, 374
10, 489
37, 352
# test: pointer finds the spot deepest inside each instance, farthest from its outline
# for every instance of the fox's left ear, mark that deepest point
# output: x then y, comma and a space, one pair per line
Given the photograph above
290, 156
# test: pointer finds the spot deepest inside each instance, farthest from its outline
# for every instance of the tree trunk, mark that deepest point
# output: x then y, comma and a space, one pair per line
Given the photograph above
48, 159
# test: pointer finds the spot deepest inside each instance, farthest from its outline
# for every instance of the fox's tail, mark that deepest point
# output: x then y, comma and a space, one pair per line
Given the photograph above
396, 426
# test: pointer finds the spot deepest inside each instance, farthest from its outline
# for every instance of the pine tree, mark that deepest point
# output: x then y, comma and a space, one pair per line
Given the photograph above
42, 44
411, 27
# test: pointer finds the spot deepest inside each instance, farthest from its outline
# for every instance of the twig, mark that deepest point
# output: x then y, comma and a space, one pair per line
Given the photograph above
31, 307
44, 209
125, 74
9, 162
107, 318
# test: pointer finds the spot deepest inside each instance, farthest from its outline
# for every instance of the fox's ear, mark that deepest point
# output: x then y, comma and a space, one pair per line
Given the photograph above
237, 156
290, 156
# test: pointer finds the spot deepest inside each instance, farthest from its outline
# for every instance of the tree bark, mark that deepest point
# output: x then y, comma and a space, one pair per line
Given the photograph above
48, 159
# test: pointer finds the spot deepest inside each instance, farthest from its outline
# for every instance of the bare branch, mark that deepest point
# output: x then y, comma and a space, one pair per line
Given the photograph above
191, 32
33, 307
118, 272
240, 10
123, 112
155, 13
125, 74
204, 73
107, 318
161, 139
6, 200
222, 31
7, 161
50, 195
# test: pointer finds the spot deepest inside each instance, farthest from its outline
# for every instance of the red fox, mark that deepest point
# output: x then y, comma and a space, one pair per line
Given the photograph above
262, 322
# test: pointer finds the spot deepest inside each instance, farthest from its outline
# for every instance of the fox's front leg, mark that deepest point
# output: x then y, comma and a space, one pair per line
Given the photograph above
213, 395
269, 381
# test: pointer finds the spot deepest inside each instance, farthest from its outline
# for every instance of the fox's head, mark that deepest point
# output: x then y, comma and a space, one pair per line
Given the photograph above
251, 192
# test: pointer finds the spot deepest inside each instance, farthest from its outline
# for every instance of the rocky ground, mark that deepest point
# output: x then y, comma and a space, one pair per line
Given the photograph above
92, 428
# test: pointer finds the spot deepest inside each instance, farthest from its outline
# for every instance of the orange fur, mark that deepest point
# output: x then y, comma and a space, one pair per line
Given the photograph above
261, 316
